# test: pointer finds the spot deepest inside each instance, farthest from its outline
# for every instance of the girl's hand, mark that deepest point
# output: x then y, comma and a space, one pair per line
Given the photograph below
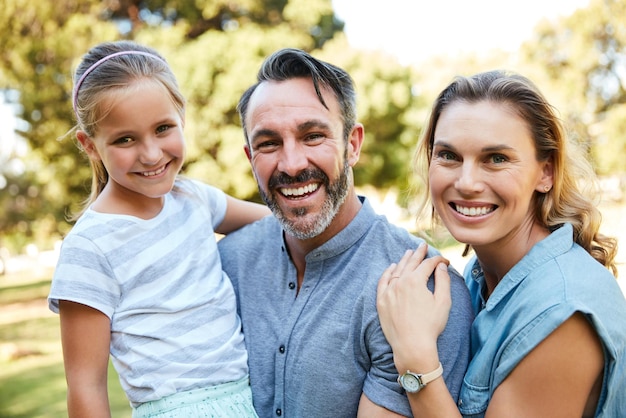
411, 316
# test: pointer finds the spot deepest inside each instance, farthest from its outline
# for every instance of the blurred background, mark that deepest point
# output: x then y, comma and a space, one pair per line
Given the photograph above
401, 53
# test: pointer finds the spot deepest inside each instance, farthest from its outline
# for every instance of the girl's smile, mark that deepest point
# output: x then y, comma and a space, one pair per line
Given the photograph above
140, 142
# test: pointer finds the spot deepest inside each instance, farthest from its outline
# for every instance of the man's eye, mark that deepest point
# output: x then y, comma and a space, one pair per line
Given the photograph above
266, 145
317, 138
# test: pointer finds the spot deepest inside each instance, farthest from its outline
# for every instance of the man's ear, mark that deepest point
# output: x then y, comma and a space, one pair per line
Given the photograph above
355, 141
87, 144
248, 152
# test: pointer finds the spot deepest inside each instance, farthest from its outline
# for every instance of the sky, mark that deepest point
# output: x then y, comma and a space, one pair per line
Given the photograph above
413, 30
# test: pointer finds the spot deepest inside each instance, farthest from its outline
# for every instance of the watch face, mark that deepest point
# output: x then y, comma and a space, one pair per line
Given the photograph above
410, 382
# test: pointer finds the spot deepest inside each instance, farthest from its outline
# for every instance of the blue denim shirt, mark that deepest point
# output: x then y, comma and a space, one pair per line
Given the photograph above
553, 281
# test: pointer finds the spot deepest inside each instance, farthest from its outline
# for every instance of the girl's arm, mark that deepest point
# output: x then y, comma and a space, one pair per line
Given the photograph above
239, 213
561, 377
412, 317
85, 336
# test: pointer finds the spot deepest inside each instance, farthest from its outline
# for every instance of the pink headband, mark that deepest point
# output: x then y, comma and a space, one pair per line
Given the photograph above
97, 63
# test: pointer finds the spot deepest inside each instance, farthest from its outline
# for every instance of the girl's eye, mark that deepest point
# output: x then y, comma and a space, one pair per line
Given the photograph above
162, 128
123, 141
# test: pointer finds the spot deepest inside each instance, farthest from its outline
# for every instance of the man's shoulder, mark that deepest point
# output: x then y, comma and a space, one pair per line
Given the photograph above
389, 233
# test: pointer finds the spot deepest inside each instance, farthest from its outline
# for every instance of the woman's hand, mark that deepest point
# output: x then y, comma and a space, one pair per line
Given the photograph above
411, 316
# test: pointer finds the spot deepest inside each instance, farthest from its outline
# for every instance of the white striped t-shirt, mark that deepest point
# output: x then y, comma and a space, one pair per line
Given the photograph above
174, 324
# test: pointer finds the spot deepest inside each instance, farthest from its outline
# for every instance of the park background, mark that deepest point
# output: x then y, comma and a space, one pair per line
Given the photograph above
400, 53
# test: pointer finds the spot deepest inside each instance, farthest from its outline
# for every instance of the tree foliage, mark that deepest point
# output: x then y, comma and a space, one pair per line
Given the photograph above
215, 48
584, 57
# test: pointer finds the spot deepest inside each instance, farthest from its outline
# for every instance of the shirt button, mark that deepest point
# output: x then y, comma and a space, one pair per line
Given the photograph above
460, 402
292, 285
281, 349
475, 272
279, 412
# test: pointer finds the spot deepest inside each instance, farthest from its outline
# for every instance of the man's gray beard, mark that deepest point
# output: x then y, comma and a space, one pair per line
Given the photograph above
337, 193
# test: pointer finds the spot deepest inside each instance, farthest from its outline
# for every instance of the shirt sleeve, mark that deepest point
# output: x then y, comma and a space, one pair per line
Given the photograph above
454, 342
213, 198
381, 386
83, 275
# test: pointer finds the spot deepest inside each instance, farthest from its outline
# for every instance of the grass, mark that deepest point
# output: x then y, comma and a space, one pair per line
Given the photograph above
32, 379
24, 292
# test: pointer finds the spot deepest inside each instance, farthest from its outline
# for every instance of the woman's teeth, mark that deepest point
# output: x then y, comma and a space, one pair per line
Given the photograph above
474, 211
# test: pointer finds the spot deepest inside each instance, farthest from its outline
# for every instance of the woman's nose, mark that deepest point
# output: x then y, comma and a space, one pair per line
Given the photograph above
469, 179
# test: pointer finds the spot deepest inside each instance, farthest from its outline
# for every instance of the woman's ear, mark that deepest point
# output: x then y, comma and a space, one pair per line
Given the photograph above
87, 144
546, 180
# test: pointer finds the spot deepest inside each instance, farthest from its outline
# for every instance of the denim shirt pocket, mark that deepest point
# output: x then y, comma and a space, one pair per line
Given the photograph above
473, 400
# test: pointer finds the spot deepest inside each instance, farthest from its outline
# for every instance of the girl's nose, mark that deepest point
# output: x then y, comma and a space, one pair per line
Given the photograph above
151, 152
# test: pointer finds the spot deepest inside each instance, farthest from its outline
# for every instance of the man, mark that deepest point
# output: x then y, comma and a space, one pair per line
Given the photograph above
306, 277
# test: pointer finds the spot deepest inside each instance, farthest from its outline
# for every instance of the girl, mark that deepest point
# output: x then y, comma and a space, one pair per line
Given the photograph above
139, 275
549, 338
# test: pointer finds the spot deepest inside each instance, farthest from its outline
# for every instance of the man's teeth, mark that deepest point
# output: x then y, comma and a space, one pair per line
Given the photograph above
300, 191
473, 211
154, 173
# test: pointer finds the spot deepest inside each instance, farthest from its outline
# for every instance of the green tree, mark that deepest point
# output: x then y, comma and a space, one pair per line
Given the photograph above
39, 45
584, 57
389, 107
214, 47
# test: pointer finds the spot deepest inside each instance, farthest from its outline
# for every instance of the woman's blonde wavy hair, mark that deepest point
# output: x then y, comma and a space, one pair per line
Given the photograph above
571, 198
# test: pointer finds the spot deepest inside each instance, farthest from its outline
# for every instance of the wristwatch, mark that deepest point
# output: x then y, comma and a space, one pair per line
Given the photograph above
414, 382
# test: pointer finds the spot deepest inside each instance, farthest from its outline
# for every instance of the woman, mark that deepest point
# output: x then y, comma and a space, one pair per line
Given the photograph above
549, 335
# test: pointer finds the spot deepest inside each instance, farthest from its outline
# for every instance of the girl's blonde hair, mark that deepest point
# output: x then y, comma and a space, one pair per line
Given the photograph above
108, 67
568, 200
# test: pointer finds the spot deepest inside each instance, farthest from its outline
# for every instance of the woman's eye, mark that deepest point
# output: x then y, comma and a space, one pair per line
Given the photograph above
446, 155
498, 158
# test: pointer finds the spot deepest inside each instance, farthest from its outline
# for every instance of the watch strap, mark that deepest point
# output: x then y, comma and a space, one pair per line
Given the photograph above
429, 377
422, 378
